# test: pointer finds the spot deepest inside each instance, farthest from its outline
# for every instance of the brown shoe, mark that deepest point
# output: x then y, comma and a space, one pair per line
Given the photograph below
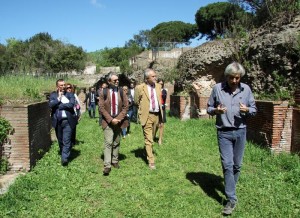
106, 171
115, 165
152, 166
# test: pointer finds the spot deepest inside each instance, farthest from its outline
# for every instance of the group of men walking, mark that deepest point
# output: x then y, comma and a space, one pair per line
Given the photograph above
231, 102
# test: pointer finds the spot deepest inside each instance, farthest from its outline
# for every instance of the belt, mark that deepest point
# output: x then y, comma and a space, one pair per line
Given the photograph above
155, 113
228, 129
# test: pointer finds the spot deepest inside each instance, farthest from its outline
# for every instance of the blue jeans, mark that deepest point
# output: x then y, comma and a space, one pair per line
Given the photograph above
92, 109
63, 134
231, 147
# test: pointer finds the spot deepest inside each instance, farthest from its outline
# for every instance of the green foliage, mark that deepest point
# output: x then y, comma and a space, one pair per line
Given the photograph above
24, 89
171, 75
40, 54
216, 19
142, 40
3, 165
188, 181
280, 90
32, 93
5, 128
173, 31
270, 9
115, 57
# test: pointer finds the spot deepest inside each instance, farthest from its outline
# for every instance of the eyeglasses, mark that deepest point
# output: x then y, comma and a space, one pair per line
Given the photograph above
115, 80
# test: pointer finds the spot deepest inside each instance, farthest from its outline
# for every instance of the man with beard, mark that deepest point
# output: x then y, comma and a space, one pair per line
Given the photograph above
113, 105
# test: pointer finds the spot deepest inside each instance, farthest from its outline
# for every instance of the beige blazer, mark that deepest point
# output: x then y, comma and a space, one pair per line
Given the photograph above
105, 109
142, 100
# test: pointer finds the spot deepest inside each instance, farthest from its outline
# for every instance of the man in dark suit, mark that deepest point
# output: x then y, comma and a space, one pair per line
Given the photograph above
91, 99
113, 108
63, 118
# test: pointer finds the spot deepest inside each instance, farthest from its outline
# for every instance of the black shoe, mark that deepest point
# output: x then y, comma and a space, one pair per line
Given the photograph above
64, 163
229, 207
116, 165
106, 171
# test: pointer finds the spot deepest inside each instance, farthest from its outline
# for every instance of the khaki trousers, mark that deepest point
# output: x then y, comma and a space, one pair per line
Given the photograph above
112, 137
149, 130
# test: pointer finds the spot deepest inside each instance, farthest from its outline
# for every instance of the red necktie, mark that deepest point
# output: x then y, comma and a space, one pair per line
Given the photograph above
152, 99
113, 100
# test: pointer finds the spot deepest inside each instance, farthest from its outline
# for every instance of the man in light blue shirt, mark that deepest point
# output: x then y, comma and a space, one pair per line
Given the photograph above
232, 102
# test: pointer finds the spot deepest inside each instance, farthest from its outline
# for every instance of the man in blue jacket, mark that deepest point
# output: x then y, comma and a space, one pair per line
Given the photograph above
63, 118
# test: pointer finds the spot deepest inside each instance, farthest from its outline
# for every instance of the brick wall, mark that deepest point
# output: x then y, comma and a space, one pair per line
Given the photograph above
179, 106
275, 125
272, 125
30, 138
198, 106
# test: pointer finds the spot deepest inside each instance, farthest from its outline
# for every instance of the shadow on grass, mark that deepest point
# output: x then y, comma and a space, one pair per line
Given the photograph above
209, 183
121, 157
74, 154
140, 153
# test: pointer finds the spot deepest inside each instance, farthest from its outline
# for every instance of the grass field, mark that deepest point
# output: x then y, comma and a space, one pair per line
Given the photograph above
188, 181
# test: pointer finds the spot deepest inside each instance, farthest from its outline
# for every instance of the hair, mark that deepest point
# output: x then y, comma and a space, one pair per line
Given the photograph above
59, 80
234, 68
147, 72
110, 74
160, 80
72, 87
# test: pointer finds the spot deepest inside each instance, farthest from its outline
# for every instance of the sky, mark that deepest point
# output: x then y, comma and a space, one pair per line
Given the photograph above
92, 24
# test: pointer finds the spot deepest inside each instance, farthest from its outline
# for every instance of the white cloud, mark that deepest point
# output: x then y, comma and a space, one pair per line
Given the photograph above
97, 4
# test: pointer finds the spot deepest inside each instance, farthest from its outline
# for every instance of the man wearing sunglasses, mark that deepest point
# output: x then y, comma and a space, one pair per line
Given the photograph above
113, 108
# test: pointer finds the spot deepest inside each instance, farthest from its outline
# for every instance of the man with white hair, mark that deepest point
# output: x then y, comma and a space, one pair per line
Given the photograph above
147, 98
232, 102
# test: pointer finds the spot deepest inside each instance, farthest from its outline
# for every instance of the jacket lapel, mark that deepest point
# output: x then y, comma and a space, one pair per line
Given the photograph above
145, 89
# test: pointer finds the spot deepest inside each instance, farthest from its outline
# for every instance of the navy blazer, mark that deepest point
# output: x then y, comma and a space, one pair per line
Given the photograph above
55, 105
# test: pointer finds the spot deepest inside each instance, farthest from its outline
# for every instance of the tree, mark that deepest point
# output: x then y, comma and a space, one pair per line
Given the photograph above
173, 31
265, 10
141, 39
215, 19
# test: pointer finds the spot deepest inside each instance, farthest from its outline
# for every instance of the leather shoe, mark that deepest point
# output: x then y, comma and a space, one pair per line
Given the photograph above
64, 163
106, 171
115, 165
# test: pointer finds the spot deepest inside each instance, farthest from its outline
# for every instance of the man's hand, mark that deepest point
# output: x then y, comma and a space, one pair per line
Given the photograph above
243, 108
220, 109
115, 121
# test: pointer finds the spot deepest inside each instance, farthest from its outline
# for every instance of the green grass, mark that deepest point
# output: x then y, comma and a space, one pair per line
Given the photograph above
27, 88
188, 181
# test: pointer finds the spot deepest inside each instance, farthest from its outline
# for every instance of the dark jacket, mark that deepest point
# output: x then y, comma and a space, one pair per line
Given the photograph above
55, 105
105, 108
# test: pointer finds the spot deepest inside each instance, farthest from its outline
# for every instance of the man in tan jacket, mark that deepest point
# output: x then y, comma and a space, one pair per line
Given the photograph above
113, 108
147, 97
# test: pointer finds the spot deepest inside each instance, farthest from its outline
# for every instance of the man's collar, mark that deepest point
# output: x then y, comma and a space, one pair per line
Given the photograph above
225, 86
153, 86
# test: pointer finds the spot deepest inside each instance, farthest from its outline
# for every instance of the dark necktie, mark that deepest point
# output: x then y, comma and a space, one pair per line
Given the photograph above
152, 99
113, 101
